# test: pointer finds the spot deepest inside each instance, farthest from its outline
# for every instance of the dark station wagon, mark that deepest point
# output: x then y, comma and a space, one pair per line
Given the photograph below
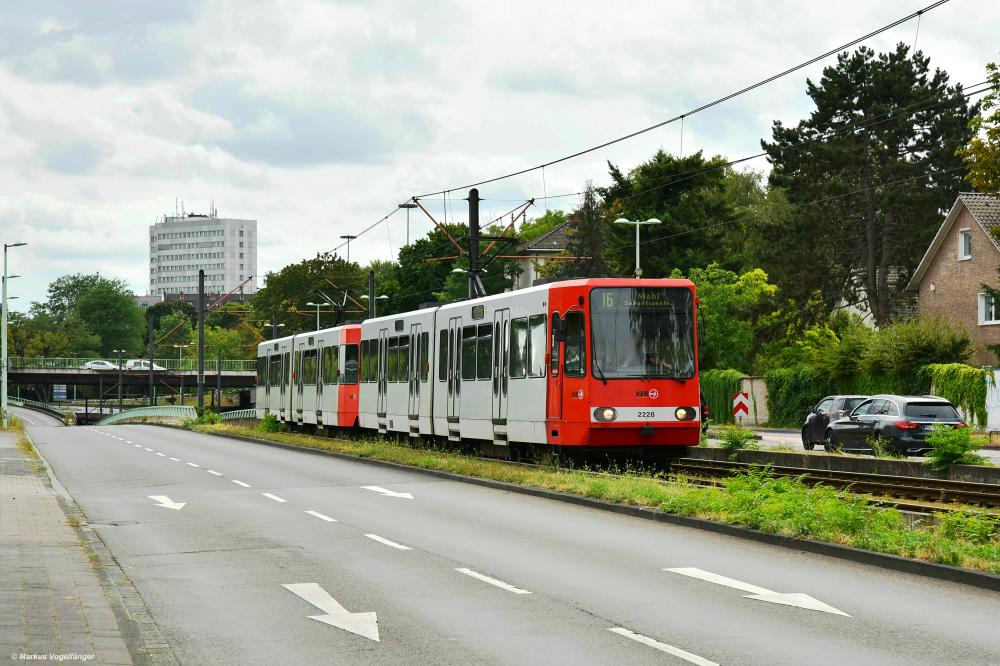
826, 411
900, 423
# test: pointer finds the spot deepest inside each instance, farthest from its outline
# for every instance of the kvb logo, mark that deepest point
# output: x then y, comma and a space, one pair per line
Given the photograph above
652, 394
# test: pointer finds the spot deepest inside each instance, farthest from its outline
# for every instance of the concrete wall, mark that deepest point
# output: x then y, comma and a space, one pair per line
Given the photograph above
950, 288
757, 389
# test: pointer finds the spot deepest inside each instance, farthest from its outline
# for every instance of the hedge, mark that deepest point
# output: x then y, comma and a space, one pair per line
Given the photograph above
792, 392
719, 387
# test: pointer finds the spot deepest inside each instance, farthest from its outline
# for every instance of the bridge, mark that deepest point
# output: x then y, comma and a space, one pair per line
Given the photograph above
237, 373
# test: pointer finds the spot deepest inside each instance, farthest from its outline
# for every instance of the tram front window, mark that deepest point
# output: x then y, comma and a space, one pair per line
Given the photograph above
642, 332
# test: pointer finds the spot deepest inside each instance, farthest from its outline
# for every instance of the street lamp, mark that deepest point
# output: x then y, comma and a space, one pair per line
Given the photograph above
408, 205
318, 306
274, 328
3, 335
179, 349
119, 352
382, 297
637, 223
348, 238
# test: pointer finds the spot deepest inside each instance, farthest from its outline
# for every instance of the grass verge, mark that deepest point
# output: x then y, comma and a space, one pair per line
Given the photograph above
755, 500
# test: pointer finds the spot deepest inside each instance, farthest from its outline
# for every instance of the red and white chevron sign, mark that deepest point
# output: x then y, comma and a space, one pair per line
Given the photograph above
741, 403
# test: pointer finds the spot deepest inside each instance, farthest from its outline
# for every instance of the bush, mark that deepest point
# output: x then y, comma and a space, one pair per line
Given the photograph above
897, 353
792, 392
719, 387
953, 446
964, 385
270, 423
736, 437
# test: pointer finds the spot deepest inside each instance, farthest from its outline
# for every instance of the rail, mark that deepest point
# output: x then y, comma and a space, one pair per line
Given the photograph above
903, 487
40, 406
173, 412
239, 415
168, 364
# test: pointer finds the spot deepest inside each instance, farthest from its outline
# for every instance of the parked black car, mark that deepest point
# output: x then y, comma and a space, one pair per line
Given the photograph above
826, 411
900, 423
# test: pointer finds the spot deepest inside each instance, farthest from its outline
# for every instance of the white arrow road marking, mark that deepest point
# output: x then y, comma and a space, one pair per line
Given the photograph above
239, 483
386, 492
274, 497
492, 581
321, 516
398, 546
213, 472
362, 624
662, 647
797, 599
194, 464
166, 502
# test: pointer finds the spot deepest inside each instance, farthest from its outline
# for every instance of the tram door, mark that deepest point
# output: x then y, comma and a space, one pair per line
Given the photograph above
414, 370
554, 399
454, 367
285, 372
297, 378
383, 367
501, 351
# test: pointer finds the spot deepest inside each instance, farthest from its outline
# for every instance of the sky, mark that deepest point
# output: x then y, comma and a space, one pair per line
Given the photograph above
317, 118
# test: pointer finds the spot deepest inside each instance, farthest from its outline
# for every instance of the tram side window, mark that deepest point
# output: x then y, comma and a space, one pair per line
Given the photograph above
309, 367
576, 351
261, 371
393, 364
350, 366
484, 352
326, 368
536, 346
285, 358
442, 355
274, 376
369, 362
469, 352
404, 358
425, 343
518, 347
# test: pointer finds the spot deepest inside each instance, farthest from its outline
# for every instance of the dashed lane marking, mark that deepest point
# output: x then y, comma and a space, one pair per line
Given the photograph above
240, 483
193, 464
321, 516
148, 449
492, 581
213, 472
176, 459
274, 497
662, 647
393, 544
162, 455
138, 446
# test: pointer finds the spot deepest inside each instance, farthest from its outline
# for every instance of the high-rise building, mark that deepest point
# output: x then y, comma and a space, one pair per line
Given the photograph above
225, 248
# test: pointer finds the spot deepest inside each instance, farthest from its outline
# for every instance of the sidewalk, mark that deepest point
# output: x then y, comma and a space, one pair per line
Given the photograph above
57, 599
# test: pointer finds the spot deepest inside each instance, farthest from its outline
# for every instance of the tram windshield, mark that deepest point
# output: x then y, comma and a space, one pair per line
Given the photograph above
642, 332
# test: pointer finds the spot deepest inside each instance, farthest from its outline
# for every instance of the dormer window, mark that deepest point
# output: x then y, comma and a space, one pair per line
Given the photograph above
964, 244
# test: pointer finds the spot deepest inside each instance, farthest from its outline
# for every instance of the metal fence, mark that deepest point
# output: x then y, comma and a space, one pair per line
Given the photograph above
34, 404
171, 364
150, 412
239, 415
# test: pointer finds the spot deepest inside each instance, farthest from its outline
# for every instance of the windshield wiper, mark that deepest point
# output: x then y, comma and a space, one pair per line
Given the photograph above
600, 373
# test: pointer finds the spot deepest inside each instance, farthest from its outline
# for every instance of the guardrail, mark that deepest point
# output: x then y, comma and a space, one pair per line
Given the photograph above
184, 364
239, 415
34, 404
177, 412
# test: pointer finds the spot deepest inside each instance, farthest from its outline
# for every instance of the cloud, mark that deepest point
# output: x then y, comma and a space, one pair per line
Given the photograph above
75, 157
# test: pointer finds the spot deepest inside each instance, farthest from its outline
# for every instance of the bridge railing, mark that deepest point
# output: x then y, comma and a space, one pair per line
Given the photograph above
170, 364
34, 404
239, 415
175, 412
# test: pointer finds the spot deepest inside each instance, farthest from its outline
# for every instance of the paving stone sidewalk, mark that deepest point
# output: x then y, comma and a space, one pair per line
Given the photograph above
62, 596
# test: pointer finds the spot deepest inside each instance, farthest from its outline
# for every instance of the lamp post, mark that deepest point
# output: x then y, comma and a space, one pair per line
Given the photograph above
119, 352
408, 205
382, 297
637, 223
348, 238
3, 334
274, 328
179, 349
318, 306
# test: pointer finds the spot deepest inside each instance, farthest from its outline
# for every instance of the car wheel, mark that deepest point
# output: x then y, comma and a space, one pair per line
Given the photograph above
828, 444
807, 444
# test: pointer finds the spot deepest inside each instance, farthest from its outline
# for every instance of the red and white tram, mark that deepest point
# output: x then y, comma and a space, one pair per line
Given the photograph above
579, 363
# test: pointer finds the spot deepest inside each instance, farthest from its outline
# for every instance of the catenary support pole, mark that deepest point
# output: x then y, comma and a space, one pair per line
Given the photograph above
218, 383
201, 340
474, 243
152, 384
371, 294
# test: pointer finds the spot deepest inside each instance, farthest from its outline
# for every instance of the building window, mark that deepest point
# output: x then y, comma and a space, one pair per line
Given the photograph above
964, 244
989, 313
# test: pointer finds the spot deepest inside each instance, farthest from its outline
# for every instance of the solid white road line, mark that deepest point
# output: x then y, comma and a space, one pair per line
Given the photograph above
274, 497
193, 464
321, 516
492, 581
25, 418
240, 483
213, 472
162, 455
662, 647
176, 459
393, 544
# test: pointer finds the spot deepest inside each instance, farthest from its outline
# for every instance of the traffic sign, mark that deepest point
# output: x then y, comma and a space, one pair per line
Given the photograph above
58, 392
741, 403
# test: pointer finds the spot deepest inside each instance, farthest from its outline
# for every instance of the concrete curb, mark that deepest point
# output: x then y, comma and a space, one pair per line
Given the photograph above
944, 572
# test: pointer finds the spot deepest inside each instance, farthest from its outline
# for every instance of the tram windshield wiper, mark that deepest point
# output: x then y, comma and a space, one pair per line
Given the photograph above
600, 373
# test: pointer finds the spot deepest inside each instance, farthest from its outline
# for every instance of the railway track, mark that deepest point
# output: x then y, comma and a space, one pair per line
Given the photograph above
896, 487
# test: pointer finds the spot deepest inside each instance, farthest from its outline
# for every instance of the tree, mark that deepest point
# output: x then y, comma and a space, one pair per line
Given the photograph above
65, 291
871, 171
158, 311
587, 232
425, 266
541, 225
982, 153
174, 329
108, 310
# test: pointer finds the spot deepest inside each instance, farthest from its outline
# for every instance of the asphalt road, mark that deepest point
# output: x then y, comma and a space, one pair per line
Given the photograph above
462, 574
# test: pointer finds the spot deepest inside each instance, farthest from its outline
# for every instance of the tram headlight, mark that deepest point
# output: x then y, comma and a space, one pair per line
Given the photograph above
685, 413
605, 414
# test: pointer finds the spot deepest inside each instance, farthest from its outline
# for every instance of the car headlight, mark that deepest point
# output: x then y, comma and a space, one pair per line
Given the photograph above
685, 413
605, 414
